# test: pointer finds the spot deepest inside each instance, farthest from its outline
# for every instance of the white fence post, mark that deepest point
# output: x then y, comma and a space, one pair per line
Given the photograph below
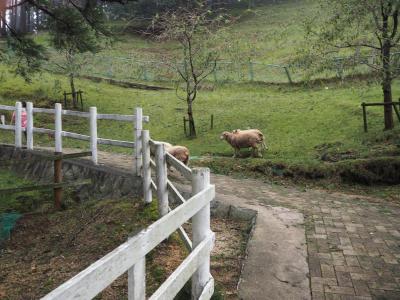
147, 195
137, 281
18, 128
93, 133
201, 229
29, 125
161, 176
58, 127
138, 127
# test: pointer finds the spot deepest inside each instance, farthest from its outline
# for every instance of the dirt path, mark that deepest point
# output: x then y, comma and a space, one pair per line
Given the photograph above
332, 245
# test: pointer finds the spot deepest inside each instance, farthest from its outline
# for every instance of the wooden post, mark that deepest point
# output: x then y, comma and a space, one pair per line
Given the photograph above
162, 176
29, 125
364, 117
251, 71
201, 230
58, 179
93, 133
17, 127
184, 125
147, 194
212, 122
80, 96
137, 281
65, 99
58, 128
288, 75
138, 127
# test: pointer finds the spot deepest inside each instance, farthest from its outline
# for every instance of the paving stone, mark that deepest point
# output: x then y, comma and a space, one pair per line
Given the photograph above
350, 252
351, 260
378, 241
350, 297
380, 285
345, 241
330, 296
358, 225
319, 236
364, 276
327, 271
316, 295
381, 228
349, 269
351, 229
361, 288
318, 283
344, 279
385, 295
373, 253
326, 256
365, 262
315, 267
335, 230
339, 290
320, 229
395, 233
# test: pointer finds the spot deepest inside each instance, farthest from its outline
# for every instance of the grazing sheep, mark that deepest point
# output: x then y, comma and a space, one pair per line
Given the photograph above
181, 153
238, 139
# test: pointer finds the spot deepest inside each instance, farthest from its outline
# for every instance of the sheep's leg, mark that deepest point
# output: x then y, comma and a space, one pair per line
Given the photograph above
236, 152
256, 152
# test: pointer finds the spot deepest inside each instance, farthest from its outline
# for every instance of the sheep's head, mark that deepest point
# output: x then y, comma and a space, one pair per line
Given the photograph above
224, 135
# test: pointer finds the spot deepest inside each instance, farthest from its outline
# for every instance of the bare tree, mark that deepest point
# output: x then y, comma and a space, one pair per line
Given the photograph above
195, 31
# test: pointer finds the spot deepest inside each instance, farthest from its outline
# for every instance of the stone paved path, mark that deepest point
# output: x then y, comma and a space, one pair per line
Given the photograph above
353, 242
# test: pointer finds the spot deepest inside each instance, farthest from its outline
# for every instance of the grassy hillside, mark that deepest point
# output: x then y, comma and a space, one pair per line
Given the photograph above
296, 121
267, 34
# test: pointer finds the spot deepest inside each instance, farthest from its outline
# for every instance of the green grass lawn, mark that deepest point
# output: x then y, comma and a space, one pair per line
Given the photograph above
295, 120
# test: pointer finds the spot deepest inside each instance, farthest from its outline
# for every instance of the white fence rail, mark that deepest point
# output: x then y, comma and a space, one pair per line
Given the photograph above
130, 257
137, 120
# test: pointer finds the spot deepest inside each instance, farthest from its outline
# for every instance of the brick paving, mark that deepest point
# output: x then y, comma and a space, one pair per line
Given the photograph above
353, 248
353, 241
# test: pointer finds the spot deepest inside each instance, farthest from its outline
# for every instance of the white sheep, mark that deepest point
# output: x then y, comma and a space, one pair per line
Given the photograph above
251, 138
181, 153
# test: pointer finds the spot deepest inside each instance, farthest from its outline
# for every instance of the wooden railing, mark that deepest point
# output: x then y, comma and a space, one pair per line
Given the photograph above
130, 257
137, 119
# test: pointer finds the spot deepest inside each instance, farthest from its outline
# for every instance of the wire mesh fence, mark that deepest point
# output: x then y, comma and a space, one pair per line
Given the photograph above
128, 68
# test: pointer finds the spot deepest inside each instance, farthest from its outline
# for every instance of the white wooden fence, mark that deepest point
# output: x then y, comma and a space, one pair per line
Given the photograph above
137, 120
130, 257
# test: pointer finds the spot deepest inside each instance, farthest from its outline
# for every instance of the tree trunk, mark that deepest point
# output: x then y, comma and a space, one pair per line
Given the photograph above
192, 128
387, 86
73, 92
22, 28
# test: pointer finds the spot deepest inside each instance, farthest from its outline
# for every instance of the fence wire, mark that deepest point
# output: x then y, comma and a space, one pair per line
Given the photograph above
127, 68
